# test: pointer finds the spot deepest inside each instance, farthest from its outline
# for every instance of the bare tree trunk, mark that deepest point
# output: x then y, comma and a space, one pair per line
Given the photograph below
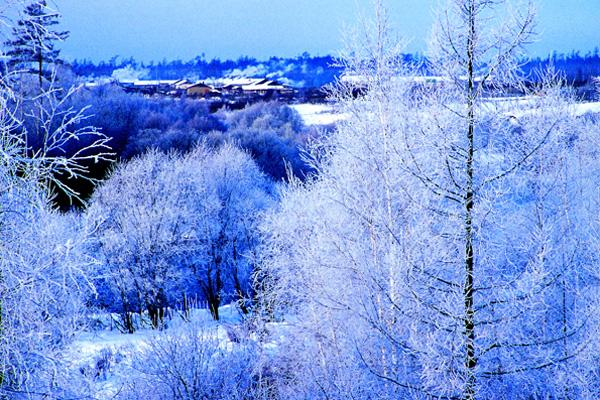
212, 288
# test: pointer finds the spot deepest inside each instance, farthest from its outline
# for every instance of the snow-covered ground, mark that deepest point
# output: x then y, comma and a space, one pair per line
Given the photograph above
318, 114
324, 114
104, 358
584, 108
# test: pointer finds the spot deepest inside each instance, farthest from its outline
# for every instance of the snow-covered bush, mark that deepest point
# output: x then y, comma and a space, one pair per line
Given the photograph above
123, 116
266, 116
196, 364
272, 133
170, 140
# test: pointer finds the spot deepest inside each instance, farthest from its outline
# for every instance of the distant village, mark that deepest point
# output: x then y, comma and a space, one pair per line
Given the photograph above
237, 93
233, 93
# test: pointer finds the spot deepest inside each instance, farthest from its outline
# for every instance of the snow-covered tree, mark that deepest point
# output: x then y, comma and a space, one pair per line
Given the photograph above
430, 255
189, 232
194, 364
147, 216
42, 266
45, 280
32, 44
243, 193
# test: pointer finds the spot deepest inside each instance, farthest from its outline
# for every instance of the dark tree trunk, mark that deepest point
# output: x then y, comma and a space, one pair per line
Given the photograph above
468, 291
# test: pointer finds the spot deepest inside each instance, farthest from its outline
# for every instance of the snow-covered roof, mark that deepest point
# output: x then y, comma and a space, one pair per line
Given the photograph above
238, 81
154, 82
265, 86
180, 83
246, 84
187, 86
225, 82
143, 82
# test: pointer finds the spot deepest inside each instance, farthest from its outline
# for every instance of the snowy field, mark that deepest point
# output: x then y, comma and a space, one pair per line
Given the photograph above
325, 114
318, 114
585, 108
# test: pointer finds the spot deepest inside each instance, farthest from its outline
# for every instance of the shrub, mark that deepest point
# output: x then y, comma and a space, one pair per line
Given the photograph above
194, 364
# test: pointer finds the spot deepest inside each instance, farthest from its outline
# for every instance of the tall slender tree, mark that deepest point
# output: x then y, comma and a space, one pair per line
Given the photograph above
425, 259
472, 60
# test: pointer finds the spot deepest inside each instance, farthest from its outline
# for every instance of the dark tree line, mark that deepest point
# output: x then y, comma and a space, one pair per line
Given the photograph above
304, 70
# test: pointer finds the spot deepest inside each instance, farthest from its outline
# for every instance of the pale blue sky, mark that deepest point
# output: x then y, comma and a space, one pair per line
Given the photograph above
157, 29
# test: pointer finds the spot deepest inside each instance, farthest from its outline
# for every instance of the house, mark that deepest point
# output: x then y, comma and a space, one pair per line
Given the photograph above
233, 86
266, 87
200, 89
149, 86
237, 90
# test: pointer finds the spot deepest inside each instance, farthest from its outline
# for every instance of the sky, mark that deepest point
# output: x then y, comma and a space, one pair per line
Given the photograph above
183, 29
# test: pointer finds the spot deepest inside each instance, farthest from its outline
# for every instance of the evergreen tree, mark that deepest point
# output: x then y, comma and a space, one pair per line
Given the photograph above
33, 40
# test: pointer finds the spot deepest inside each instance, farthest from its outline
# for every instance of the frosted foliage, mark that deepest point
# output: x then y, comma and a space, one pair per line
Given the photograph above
44, 270
366, 262
44, 281
195, 365
173, 225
